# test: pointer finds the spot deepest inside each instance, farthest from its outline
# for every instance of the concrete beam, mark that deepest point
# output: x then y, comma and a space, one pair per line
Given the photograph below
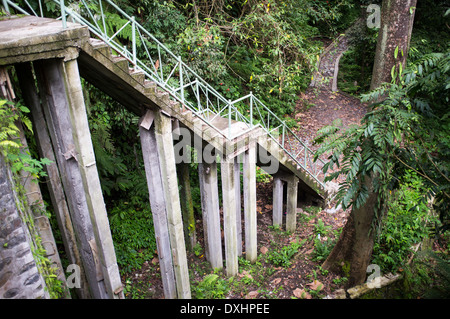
38, 38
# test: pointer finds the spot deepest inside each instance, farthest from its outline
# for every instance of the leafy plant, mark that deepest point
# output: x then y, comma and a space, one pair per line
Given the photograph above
406, 129
406, 223
320, 228
283, 256
322, 248
211, 287
133, 234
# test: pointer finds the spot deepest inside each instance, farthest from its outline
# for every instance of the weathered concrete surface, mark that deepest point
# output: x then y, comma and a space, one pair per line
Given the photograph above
19, 276
157, 203
30, 38
53, 180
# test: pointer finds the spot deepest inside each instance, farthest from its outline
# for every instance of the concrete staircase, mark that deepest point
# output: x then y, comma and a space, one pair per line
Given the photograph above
129, 86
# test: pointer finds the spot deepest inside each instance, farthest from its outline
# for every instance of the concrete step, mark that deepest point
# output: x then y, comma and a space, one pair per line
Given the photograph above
138, 75
120, 62
100, 46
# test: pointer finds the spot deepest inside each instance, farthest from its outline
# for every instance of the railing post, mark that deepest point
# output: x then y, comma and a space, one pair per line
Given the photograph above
251, 109
5, 5
229, 119
63, 13
282, 138
181, 79
133, 35
199, 104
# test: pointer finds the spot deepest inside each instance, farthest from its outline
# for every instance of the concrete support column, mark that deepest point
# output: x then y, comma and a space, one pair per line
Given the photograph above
91, 181
163, 129
52, 87
237, 188
55, 188
291, 215
187, 206
157, 203
210, 212
229, 215
277, 201
249, 183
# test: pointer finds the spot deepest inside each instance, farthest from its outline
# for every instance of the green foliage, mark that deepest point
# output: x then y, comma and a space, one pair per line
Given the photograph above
12, 150
407, 129
211, 287
322, 248
133, 234
406, 223
320, 228
283, 256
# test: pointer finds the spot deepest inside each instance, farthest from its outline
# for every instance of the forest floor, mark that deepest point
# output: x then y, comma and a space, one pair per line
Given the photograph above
274, 275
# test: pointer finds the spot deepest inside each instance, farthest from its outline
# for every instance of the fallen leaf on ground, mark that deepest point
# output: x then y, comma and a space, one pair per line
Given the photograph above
264, 250
301, 293
316, 285
276, 281
252, 294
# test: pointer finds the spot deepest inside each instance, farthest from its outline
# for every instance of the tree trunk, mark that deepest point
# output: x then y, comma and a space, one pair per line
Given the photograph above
353, 251
397, 17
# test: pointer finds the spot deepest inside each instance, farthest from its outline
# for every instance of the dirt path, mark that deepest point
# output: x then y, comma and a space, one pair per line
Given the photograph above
318, 108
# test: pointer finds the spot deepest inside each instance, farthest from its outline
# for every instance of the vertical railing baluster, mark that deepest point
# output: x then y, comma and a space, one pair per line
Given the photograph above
180, 65
6, 6
199, 105
103, 18
133, 41
229, 119
63, 14
251, 109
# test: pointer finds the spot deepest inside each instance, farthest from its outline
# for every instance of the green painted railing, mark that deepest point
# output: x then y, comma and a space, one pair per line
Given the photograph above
171, 74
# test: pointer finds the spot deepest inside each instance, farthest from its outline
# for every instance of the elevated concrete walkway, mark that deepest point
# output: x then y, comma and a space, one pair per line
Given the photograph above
56, 57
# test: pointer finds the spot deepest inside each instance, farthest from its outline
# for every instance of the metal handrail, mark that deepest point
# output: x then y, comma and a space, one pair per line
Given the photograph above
170, 73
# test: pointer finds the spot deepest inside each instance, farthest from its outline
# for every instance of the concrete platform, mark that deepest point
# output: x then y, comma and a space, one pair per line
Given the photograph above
29, 38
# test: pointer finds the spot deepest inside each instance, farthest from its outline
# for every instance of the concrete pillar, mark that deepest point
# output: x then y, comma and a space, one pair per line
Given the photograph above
157, 203
210, 212
55, 188
277, 201
237, 189
91, 181
163, 129
187, 206
291, 214
249, 169
54, 96
229, 215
